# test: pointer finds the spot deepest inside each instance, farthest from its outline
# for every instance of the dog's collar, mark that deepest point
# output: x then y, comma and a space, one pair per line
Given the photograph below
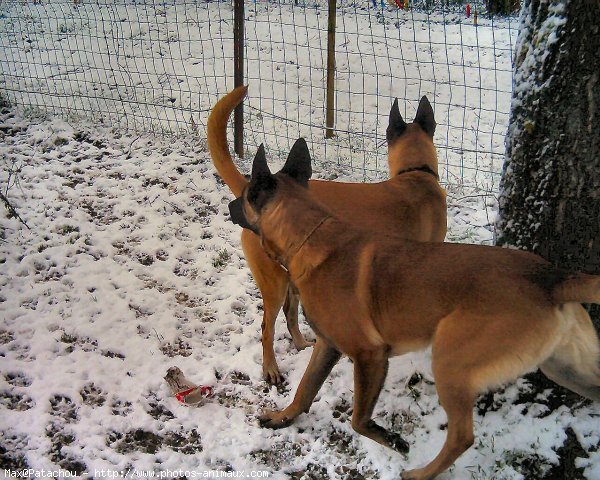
422, 168
315, 228
282, 263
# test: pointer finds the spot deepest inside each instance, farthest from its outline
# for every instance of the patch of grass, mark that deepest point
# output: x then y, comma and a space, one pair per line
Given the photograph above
121, 407
67, 229
11, 451
177, 347
92, 395
66, 28
35, 113
223, 256
6, 337
156, 410
189, 444
184, 299
311, 472
548, 393
135, 440
568, 454
145, 259
17, 379
279, 455
68, 338
61, 141
4, 102
63, 408
139, 440
527, 464
16, 401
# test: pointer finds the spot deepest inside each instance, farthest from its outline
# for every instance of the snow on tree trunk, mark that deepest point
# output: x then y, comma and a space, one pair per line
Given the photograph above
550, 190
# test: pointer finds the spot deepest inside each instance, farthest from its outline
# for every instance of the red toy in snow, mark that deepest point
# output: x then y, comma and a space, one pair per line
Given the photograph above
185, 391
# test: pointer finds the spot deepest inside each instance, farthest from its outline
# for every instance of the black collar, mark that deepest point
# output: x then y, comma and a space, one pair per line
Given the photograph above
422, 168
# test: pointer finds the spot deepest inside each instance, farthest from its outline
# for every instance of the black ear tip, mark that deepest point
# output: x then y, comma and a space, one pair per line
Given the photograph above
298, 164
425, 116
299, 149
395, 115
260, 153
301, 142
260, 161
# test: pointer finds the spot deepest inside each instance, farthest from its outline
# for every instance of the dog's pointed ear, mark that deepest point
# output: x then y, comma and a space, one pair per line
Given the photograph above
425, 117
260, 169
263, 183
396, 125
298, 164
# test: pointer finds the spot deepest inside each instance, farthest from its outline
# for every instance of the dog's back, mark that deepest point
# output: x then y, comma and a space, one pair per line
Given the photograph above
412, 205
490, 313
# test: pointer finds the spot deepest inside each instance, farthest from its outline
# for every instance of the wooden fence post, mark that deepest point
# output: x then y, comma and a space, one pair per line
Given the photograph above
238, 74
330, 70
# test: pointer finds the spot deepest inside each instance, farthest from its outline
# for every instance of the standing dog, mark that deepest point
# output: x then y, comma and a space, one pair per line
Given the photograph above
490, 314
411, 203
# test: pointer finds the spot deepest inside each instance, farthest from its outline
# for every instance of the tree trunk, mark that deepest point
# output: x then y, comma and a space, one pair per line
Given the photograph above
550, 190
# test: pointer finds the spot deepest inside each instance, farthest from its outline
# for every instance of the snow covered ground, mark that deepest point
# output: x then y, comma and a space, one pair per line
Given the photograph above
130, 266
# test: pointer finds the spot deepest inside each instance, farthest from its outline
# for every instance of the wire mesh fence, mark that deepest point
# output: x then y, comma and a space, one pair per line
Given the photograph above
159, 66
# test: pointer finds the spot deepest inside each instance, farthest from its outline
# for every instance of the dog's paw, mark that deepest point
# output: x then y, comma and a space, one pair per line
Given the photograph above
274, 419
396, 442
301, 345
272, 375
385, 437
418, 474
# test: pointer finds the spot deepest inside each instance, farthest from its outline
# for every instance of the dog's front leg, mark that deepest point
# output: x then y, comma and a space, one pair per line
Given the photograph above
370, 370
322, 360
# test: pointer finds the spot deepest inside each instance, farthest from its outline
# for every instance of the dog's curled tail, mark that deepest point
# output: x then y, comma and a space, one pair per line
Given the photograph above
217, 140
581, 288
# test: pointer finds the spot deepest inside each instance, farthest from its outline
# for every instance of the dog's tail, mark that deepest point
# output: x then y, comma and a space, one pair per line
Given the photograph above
575, 362
217, 140
579, 288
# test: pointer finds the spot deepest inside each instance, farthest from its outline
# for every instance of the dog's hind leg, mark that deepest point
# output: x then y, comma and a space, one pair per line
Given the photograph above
574, 362
290, 308
457, 396
457, 399
323, 359
370, 370
468, 355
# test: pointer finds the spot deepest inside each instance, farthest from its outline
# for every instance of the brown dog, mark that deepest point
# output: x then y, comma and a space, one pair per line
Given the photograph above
411, 204
490, 314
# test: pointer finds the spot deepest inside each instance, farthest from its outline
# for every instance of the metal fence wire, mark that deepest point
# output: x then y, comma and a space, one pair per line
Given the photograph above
159, 66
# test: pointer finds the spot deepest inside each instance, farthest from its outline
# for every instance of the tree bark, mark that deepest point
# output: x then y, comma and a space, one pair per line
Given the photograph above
550, 190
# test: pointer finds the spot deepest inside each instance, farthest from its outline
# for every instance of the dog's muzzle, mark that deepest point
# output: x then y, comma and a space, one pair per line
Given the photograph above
236, 211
